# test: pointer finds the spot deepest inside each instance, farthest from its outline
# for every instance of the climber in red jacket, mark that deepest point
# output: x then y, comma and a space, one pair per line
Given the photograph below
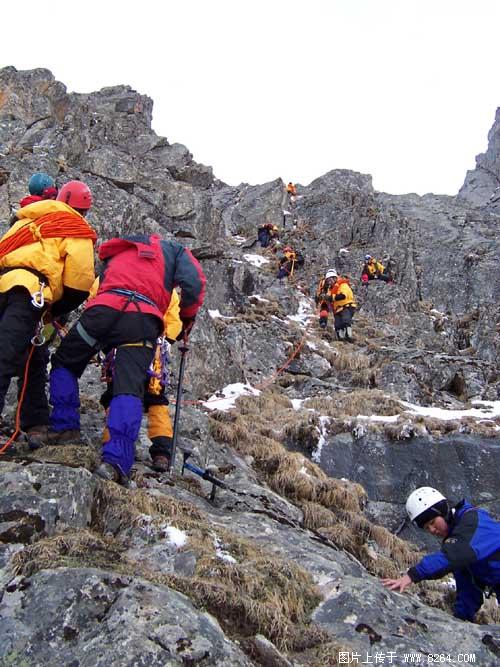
127, 312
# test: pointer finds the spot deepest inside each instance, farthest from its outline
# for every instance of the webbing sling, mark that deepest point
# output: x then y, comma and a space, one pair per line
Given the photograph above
132, 296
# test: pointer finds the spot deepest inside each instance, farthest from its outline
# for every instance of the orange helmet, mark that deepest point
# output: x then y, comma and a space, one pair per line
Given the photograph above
76, 194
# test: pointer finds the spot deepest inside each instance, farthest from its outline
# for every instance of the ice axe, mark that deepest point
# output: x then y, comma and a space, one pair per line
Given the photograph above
205, 474
183, 350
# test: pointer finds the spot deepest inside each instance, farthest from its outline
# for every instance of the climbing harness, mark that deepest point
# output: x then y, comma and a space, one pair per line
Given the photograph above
133, 297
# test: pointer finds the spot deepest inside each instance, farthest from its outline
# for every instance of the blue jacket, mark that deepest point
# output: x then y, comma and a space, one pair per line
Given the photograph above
471, 551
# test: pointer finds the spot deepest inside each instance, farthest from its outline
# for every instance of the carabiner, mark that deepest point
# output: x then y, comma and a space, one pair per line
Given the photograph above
37, 298
38, 339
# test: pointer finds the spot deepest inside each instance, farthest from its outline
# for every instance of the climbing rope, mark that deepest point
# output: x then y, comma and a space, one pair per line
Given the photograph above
20, 402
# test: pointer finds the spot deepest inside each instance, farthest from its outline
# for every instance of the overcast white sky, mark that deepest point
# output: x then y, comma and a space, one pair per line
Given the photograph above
405, 90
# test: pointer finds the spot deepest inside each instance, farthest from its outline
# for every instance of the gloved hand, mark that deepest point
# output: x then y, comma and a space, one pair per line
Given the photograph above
187, 325
339, 297
364, 278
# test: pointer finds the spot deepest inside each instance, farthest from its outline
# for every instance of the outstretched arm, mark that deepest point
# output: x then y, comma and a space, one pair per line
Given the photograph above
397, 584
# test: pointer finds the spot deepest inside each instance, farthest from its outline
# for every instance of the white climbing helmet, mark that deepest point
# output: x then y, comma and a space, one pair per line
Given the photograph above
421, 505
331, 273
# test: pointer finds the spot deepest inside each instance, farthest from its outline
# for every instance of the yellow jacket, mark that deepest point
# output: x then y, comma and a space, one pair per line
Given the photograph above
374, 267
171, 320
342, 287
65, 262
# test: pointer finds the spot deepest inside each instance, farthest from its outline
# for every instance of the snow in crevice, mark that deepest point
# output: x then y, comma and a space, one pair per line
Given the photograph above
222, 553
322, 440
229, 395
255, 260
176, 537
258, 297
215, 314
304, 314
485, 410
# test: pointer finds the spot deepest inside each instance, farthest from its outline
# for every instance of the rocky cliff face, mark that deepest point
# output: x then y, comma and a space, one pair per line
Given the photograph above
482, 184
281, 569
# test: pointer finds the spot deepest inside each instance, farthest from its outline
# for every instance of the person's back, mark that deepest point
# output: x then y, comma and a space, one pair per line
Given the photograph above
40, 254
46, 261
127, 313
149, 268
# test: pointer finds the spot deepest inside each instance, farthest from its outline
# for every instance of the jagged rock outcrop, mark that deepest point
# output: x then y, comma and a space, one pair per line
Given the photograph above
281, 569
482, 184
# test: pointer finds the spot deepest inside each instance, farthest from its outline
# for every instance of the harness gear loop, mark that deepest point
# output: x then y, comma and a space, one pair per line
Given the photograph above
37, 298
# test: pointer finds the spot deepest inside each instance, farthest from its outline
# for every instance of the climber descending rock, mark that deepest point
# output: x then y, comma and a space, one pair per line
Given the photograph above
470, 549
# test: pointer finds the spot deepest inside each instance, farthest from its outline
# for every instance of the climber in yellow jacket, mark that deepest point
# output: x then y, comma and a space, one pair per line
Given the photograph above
160, 430
46, 270
373, 270
344, 306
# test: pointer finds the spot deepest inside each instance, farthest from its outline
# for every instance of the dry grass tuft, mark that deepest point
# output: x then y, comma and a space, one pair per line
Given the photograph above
80, 548
349, 361
359, 402
327, 655
119, 509
73, 456
330, 506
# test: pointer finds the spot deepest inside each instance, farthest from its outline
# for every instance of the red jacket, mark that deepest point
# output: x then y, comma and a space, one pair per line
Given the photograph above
152, 268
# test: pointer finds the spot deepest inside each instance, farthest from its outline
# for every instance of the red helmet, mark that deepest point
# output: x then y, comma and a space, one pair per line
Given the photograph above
76, 194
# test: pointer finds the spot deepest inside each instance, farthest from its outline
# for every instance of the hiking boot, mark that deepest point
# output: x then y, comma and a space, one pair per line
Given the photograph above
161, 463
37, 436
70, 437
109, 473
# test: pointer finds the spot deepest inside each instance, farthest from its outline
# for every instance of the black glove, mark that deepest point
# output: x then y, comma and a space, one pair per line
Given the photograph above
187, 325
339, 297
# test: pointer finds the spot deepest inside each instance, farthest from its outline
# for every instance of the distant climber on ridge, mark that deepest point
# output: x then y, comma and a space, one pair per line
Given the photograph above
289, 262
291, 189
267, 235
373, 270
470, 549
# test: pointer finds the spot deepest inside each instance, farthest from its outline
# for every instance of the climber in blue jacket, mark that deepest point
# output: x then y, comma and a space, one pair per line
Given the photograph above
470, 549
